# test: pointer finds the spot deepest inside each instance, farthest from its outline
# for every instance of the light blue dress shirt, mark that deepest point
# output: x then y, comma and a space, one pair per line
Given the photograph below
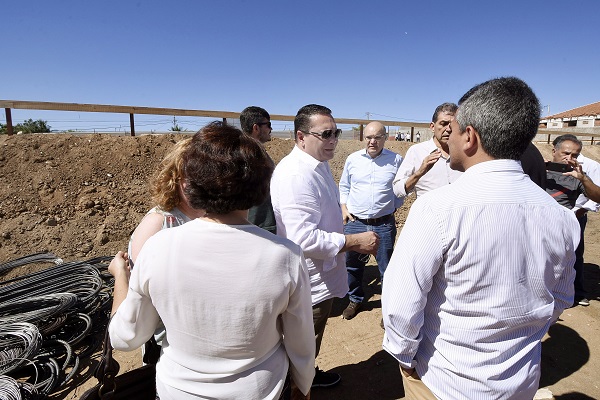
366, 184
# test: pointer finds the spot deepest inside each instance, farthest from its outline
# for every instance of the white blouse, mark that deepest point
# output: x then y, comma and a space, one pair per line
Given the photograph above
235, 301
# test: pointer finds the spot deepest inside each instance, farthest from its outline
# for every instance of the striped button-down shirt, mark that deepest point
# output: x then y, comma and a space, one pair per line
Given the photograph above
480, 271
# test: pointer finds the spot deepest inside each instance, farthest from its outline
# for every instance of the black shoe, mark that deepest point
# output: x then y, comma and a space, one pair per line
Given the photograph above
325, 379
351, 310
582, 301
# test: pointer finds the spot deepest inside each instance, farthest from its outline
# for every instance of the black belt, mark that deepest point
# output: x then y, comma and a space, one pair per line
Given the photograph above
373, 221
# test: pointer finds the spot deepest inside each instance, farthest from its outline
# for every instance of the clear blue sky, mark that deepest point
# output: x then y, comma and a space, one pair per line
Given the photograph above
394, 59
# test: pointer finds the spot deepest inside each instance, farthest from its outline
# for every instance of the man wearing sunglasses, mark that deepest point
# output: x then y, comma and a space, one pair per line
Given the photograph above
307, 210
256, 122
368, 204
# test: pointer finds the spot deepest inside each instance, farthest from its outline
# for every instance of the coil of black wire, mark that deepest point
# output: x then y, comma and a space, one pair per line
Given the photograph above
50, 320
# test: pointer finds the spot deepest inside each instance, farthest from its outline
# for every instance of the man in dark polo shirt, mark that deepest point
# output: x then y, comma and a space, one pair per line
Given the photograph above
256, 122
566, 187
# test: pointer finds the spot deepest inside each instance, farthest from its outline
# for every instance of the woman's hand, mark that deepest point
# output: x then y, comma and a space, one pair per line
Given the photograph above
120, 265
119, 268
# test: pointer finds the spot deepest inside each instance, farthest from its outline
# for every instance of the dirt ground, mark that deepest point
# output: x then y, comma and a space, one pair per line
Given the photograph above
81, 196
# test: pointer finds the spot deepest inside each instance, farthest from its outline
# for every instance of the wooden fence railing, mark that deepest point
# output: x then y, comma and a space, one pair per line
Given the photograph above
180, 112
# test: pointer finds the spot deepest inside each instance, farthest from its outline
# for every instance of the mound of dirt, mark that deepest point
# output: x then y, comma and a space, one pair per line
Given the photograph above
80, 196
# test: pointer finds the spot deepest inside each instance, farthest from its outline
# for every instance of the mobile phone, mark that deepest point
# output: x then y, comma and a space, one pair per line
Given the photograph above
558, 167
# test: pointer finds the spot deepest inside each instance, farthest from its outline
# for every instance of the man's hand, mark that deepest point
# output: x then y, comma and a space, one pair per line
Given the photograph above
346, 214
577, 172
365, 242
426, 165
407, 371
428, 162
592, 191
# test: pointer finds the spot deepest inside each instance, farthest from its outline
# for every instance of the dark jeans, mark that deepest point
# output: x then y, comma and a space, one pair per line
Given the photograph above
579, 290
354, 261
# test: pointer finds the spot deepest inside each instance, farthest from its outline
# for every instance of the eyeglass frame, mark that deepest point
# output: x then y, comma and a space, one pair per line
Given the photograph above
376, 137
326, 134
264, 123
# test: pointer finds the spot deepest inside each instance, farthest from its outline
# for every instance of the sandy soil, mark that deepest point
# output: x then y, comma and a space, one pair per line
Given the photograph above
81, 196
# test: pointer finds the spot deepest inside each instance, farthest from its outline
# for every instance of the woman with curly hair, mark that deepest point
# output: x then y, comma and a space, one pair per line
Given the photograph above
171, 207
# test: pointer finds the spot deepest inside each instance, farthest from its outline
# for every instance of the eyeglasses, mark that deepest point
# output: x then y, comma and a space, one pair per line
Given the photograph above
264, 123
326, 134
378, 137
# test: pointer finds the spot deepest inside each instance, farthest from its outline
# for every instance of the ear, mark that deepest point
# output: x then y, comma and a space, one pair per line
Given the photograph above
472, 140
431, 126
255, 131
300, 137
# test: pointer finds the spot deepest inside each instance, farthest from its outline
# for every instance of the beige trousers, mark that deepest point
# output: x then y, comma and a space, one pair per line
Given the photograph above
414, 388
321, 312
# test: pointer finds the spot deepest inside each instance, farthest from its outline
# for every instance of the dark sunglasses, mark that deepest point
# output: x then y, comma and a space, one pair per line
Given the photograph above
326, 134
264, 123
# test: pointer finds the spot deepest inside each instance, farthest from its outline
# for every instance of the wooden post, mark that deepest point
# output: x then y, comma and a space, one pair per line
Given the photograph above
360, 134
548, 138
132, 124
9, 127
412, 134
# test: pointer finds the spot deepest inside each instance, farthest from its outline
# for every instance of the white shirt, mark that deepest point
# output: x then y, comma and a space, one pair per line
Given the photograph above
307, 211
439, 175
366, 184
481, 269
592, 170
231, 322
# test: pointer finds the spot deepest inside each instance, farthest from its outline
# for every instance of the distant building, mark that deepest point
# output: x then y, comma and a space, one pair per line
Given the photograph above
585, 119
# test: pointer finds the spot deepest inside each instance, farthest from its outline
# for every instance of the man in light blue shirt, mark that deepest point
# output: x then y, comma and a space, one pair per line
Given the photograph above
368, 204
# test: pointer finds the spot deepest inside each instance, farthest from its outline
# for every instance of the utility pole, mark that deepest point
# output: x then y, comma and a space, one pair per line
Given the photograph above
547, 107
368, 115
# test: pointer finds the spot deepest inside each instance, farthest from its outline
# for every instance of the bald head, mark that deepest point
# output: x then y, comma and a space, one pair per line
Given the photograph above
375, 137
374, 128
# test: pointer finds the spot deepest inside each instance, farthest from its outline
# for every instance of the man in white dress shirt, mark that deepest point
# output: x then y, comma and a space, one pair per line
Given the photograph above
368, 204
480, 276
307, 211
427, 164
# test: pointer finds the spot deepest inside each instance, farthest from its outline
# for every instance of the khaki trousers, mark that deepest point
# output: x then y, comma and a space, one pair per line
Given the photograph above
414, 388
321, 312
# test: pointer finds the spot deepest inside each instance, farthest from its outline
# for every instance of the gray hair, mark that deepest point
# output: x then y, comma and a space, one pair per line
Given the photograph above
564, 138
449, 108
506, 114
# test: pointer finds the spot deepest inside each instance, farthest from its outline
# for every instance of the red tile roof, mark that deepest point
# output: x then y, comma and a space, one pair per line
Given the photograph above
584, 111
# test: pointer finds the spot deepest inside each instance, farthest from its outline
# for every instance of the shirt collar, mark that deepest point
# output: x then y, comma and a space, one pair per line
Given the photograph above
306, 158
495, 166
365, 154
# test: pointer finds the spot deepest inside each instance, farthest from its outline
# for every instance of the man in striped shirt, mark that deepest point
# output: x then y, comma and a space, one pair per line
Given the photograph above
478, 276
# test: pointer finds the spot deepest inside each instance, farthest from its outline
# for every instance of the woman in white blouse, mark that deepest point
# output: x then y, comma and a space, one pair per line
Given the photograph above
234, 298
